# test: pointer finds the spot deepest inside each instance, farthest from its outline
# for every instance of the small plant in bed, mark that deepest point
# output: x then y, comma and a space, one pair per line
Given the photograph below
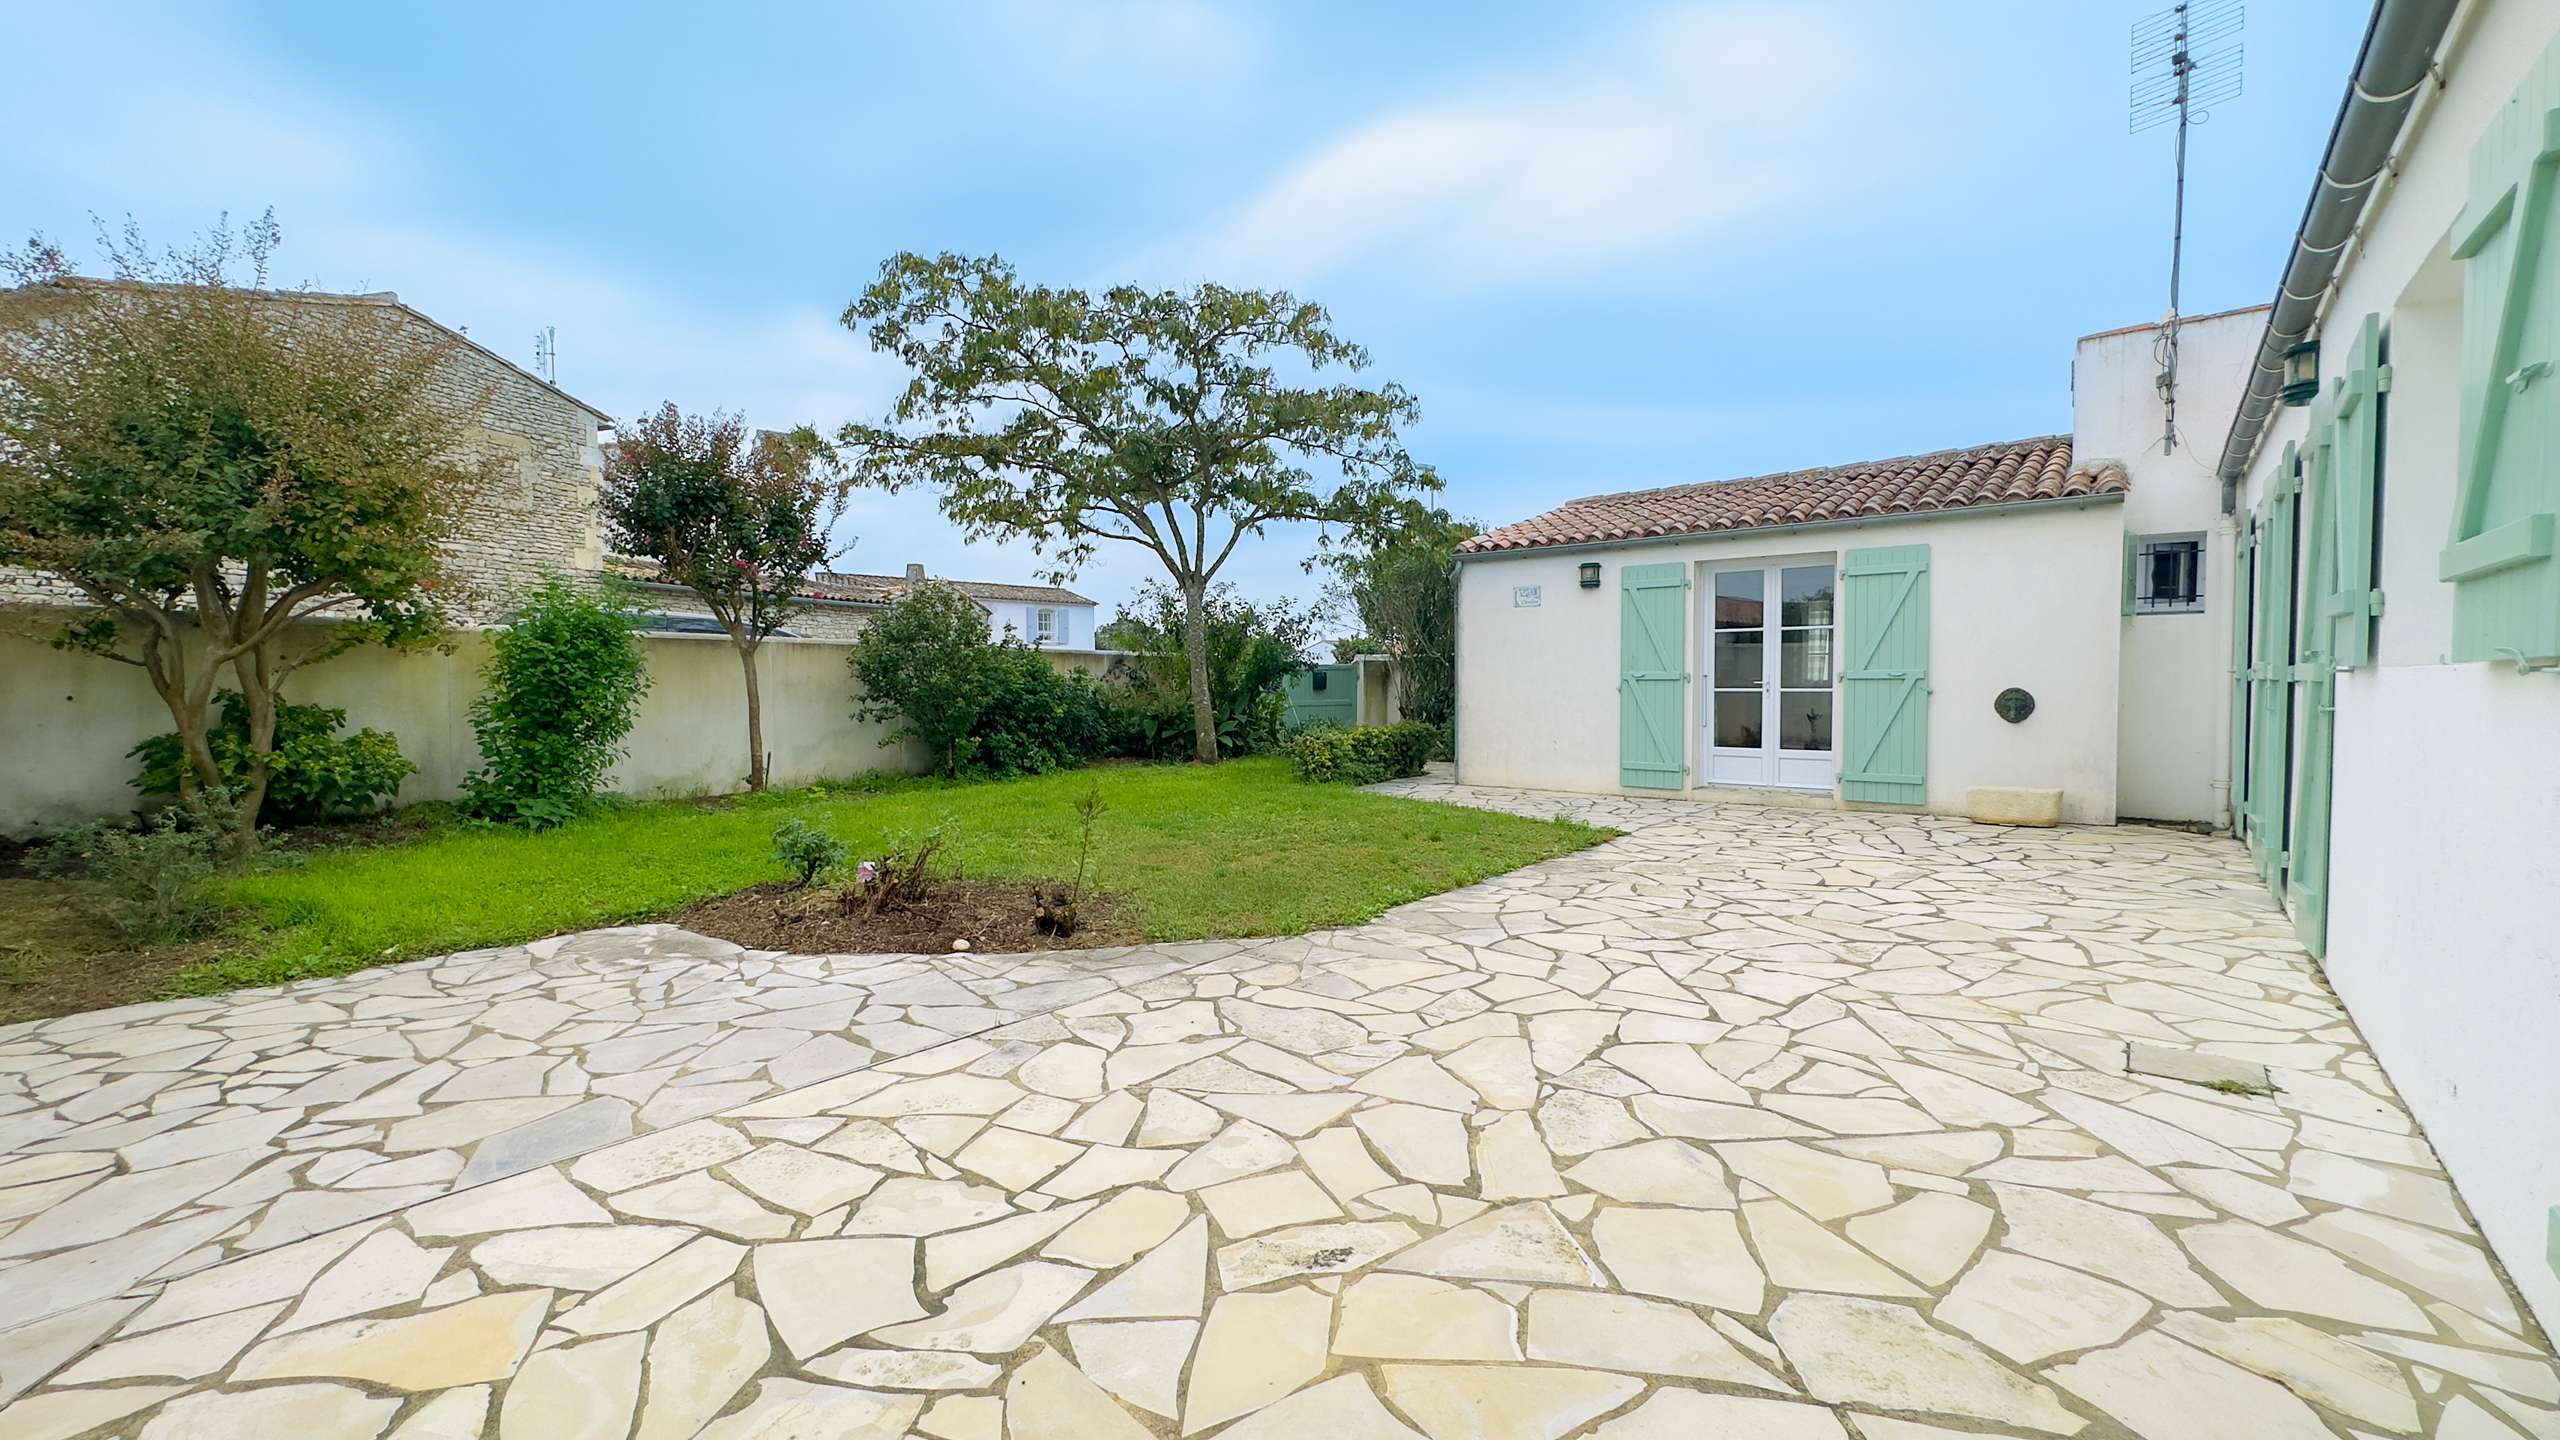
905, 897
808, 851
1055, 911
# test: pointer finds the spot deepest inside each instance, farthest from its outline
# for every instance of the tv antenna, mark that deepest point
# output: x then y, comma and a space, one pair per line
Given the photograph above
2186, 60
546, 354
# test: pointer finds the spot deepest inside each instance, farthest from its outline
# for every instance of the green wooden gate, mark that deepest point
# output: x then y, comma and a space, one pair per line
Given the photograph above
1653, 676
1324, 695
1884, 700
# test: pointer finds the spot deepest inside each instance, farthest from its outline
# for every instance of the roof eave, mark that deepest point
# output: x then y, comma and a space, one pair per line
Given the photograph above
1848, 522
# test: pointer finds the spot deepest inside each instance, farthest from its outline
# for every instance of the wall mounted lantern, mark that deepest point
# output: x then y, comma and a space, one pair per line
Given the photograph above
2301, 373
1590, 574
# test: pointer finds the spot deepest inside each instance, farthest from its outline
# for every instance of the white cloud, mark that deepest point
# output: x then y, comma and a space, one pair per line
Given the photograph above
1105, 50
1664, 132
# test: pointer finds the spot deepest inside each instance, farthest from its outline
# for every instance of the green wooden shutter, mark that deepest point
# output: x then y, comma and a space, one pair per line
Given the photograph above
2132, 556
2506, 600
2306, 885
2270, 719
2243, 590
2352, 602
1653, 676
1884, 712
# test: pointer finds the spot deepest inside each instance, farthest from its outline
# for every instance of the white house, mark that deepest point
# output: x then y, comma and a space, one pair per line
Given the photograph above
1842, 634
2330, 623
2394, 709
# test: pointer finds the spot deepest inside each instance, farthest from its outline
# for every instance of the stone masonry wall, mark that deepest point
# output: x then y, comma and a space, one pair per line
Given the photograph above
537, 514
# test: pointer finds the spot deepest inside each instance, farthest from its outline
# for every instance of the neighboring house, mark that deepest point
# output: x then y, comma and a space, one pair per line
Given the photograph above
1042, 615
2331, 623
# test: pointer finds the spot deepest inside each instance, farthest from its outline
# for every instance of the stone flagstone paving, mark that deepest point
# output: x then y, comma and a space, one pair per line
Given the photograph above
153, 1140
1757, 1123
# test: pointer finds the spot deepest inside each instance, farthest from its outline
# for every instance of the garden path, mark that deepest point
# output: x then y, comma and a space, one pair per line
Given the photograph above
1794, 1124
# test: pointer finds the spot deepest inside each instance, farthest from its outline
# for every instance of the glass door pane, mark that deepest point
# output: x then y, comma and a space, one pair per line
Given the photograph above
1805, 658
1738, 600
1739, 659
1805, 595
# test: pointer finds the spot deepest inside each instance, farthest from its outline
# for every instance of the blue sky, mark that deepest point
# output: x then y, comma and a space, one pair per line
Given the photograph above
1609, 246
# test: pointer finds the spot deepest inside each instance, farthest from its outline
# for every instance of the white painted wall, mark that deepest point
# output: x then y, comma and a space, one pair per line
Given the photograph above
67, 720
2445, 859
2023, 597
2173, 728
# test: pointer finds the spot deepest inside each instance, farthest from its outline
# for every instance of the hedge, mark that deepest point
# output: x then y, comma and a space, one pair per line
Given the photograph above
1363, 756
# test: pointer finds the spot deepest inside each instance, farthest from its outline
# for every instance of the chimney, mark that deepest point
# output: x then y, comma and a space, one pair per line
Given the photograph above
915, 573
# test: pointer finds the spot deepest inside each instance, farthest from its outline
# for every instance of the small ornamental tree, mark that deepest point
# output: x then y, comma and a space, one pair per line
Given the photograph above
1150, 418
209, 462
740, 521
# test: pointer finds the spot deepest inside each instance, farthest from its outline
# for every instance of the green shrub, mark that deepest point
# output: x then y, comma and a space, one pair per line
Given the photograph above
313, 774
1253, 649
808, 851
149, 881
983, 706
562, 687
1364, 756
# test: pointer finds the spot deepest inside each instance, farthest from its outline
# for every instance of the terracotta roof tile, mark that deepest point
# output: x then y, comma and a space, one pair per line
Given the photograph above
2038, 469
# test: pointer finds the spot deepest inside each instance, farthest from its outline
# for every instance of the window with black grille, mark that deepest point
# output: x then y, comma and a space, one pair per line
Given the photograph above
2168, 575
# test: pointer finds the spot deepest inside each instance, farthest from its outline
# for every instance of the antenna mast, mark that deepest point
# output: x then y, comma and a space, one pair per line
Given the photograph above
2186, 60
546, 353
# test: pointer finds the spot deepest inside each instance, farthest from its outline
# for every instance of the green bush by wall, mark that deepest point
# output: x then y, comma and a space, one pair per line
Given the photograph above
1363, 756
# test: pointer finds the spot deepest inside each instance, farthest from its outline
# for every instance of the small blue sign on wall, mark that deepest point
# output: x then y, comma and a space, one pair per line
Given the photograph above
1528, 597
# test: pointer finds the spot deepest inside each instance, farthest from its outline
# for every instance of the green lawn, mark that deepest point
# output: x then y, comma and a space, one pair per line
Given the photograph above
1240, 849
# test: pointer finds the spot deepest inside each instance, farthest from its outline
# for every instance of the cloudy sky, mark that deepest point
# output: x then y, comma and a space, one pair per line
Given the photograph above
1609, 246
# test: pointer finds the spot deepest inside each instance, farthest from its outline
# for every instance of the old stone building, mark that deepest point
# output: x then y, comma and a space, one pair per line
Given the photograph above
538, 514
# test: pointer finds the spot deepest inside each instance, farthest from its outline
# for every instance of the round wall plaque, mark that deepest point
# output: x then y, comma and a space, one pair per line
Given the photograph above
2014, 705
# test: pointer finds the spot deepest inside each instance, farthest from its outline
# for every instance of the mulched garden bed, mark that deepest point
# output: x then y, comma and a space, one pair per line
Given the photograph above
994, 917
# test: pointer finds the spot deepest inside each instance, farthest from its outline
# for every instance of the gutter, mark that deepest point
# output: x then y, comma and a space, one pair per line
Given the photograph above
2394, 63
1746, 532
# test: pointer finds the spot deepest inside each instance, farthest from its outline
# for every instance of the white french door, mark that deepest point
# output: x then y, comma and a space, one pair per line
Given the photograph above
1769, 669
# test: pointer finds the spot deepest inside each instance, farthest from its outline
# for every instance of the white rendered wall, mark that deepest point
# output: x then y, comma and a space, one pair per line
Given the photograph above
2022, 597
2445, 836
2172, 720
67, 720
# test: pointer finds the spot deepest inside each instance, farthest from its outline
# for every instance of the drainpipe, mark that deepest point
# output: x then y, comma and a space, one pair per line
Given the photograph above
2395, 61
